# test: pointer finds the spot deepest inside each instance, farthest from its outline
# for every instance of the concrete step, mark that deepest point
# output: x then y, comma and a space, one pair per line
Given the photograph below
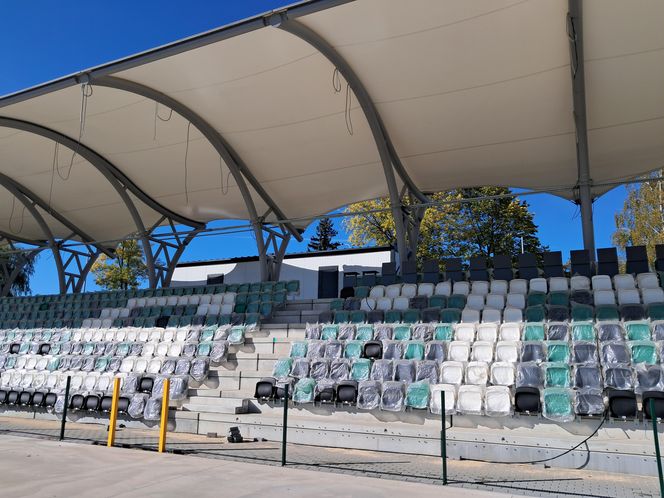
204, 404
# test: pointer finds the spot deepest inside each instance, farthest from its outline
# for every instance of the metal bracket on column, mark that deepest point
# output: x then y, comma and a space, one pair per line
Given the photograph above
10, 270
386, 150
276, 243
167, 246
77, 260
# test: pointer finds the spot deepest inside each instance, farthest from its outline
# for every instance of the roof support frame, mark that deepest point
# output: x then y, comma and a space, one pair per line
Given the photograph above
46, 230
585, 199
389, 158
77, 265
236, 165
23, 258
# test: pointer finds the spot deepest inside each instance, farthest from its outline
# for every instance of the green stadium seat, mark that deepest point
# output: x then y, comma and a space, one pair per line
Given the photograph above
536, 299
606, 312
358, 316
438, 302
558, 298
535, 314
293, 286
582, 312
392, 316
252, 318
457, 301
361, 292
450, 315
656, 311
341, 316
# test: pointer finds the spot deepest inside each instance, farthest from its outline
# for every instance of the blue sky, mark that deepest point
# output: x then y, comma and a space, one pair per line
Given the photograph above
43, 40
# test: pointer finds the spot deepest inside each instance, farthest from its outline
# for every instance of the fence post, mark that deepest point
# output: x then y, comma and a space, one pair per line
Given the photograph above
114, 413
64, 411
653, 417
164, 416
443, 437
284, 427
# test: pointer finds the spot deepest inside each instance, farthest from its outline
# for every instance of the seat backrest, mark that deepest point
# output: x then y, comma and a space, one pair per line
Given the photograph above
552, 264
607, 261
581, 262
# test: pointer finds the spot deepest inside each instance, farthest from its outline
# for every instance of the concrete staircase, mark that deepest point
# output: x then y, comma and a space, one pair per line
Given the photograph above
301, 311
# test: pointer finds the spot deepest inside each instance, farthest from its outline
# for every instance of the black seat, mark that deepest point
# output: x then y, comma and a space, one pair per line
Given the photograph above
477, 268
409, 272
106, 404
527, 266
388, 274
123, 404
162, 321
527, 400
552, 264
622, 404
607, 261
375, 316
581, 262
430, 315
326, 394
326, 316
630, 312
77, 402
352, 304
347, 292
265, 388
453, 269
502, 267
92, 402
25, 398
38, 399
431, 271
581, 297
50, 399
658, 399
347, 392
12, 397
280, 391
145, 385
557, 313
14, 348
637, 259
373, 350
419, 302
3, 396
44, 349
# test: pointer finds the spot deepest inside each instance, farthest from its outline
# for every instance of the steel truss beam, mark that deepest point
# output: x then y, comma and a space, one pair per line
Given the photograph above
388, 156
120, 182
167, 248
277, 240
585, 199
238, 168
77, 264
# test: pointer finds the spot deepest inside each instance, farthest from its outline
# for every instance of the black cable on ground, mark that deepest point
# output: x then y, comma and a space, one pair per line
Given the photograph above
604, 417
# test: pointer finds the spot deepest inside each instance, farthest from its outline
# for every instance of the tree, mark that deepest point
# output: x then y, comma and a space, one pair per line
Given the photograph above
641, 221
453, 228
125, 271
13, 260
325, 232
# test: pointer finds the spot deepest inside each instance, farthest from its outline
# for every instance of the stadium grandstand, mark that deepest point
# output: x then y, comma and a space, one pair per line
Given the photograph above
539, 360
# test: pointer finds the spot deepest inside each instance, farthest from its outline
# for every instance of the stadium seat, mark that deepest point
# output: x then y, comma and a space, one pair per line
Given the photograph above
581, 263
502, 267
453, 269
527, 400
527, 266
622, 404
607, 261
552, 264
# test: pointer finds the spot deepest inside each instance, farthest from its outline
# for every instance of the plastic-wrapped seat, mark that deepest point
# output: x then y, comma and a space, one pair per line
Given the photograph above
510, 331
282, 368
383, 332
414, 350
304, 391
435, 350
558, 404
588, 377
557, 351
368, 395
392, 396
339, 369
589, 402
459, 350
325, 391
643, 352
451, 372
532, 351
507, 351
435, 403
477, 373
404, 371
482, 351
401, 332
620, 377
445, 332
498, 401
300, 368
557, 331
382, 370
556, 374
615, 352
503, 374
637, 330
610, 331
422, 332
393, 350
529, 375
470, 399
355, 349
649, 378
319, 368
417, 395
487, 332
316, 349
426, 370
584, 352
533, 331
583, 331
464, 332
360, 369
329, 332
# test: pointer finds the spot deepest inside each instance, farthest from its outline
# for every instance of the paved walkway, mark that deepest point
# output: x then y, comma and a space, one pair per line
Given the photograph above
528, 480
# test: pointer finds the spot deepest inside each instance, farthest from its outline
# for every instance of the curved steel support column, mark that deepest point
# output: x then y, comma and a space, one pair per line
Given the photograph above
46, 230
585, 199
388, 156
7, 181
236, 165
103, 165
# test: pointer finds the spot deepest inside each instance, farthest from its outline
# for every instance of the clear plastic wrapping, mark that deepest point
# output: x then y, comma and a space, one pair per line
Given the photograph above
422, 332
353, 349
558, 404
382, 332
503, 373
619, 377
643, 352
417, 395
189, 349
532, 351
443, 332
556, 374
404, 371
182, 366
477, 373
339, 369
221, 334
360, 369
435, 402
298, 349
392, 397
282, 368
316, 349
451, 372
346, 332
507, 351
393, 350
300, 368
329, 332
219, 351
587, 376
168, 366
584, 352
557, 332
589, 402
137, 403
414, 350
364, 332
529, 375
470, 400
199, 369
435, 351
533, 332
557, 351
498, 401
583, 331
152, 409
638, 330
610, 331
313, 331
319, 369
615, 352
401, 332
382, 370
649, 378
236, 334
427, 370
368, 395
458, 351
304, 391
334, 350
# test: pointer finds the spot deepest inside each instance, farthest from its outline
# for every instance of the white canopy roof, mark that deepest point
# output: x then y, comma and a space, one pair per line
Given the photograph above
471, 93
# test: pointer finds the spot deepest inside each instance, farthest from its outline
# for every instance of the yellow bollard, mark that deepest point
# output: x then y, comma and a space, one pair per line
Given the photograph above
164, 416
114, 412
